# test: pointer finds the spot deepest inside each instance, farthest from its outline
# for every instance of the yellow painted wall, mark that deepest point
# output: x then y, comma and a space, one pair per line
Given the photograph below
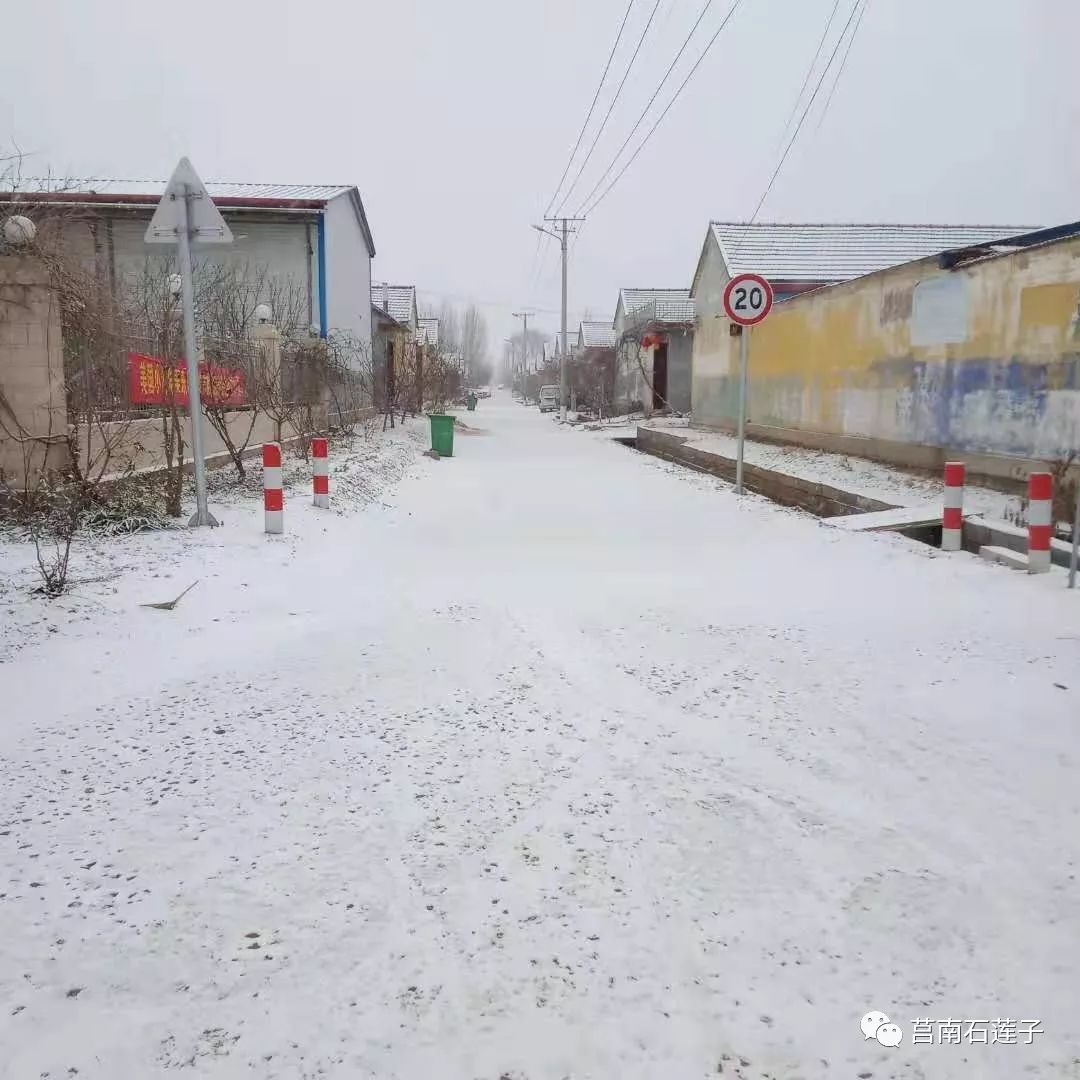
864, 358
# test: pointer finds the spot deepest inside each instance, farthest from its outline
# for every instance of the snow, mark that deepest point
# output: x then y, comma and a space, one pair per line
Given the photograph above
549, 760
855, 474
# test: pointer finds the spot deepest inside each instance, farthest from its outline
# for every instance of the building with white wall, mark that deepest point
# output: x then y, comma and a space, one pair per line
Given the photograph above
314, 238
654, 333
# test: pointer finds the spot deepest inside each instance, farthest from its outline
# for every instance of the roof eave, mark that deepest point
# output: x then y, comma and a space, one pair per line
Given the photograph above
385, 316
102, 199
361, 216
701, 261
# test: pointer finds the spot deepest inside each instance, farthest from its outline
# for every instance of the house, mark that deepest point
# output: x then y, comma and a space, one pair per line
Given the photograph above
654, 333
307, 247
967, 353
594, 366
427, 332
399, 302
396, 342
595, 335
797, 259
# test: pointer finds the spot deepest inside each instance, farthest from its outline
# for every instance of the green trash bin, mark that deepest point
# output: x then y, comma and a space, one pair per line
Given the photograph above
442, 434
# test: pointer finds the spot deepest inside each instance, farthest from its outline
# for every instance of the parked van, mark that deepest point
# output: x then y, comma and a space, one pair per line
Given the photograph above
549, 398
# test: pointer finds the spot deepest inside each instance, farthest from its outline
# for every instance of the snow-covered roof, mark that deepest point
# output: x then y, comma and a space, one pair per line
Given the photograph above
667, 305
217, 189
427, 331
228, 194
830, 253
596, 335
399, 301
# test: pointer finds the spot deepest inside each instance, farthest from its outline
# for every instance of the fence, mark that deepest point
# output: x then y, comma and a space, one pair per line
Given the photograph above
128, 375
128, 402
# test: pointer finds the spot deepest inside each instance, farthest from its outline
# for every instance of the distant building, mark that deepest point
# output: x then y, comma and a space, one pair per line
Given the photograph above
654, 333
399, 302
428, 332
595, 335
395, 344
594, 376
313, 239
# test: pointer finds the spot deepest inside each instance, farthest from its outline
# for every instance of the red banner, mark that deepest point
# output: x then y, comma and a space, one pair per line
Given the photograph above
154, 382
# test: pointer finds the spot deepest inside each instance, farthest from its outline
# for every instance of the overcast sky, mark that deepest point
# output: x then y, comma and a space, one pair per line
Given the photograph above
455, 120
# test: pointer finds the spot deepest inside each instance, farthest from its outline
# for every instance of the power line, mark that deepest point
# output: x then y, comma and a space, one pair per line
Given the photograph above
588, 116
656, 94
810, 69
607, 115
843, 64
667, 109
798, 126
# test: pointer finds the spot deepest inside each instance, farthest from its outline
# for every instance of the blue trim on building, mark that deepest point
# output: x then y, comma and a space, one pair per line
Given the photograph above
324, 320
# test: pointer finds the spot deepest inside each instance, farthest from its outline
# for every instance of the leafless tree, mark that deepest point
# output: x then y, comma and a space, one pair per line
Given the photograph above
474, 345
442, 380
450, 336
350, 382
230, 297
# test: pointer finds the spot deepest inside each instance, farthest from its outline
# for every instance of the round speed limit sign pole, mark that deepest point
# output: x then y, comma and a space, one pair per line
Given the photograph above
748, 298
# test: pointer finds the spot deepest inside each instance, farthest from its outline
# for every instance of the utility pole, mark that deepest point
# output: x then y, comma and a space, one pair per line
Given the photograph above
566, 227
524, 316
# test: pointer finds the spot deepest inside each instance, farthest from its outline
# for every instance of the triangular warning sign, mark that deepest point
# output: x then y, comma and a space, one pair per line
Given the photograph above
205, 223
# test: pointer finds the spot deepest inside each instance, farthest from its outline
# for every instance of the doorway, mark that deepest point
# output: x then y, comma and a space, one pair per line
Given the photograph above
659, 377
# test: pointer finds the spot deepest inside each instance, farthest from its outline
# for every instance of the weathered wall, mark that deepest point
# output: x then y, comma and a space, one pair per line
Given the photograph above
629, 383
630, 388
138, 445
33, 406
984, 359
680, 371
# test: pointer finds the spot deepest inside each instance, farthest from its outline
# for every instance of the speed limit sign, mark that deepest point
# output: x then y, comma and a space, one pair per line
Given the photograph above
748, 298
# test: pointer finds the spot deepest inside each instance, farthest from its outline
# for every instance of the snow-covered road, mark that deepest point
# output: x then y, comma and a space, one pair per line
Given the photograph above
556, 762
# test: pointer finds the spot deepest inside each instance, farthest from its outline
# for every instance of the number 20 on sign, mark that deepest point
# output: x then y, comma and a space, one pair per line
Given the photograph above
748, 298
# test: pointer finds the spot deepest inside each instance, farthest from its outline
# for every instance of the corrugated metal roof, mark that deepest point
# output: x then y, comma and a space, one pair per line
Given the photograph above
428, 331
398, 300
230, 195
668, 305
597, 335
830, 253
217, 189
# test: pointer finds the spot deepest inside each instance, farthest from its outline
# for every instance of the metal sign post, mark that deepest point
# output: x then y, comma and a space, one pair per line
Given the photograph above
744, 379
185, 214
748, 299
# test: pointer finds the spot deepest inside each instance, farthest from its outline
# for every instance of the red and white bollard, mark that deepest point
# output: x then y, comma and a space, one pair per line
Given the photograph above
273, 496
1040, 501
952, 517
320, 473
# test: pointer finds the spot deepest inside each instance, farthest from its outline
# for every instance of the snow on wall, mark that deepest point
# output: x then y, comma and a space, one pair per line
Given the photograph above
982, 359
